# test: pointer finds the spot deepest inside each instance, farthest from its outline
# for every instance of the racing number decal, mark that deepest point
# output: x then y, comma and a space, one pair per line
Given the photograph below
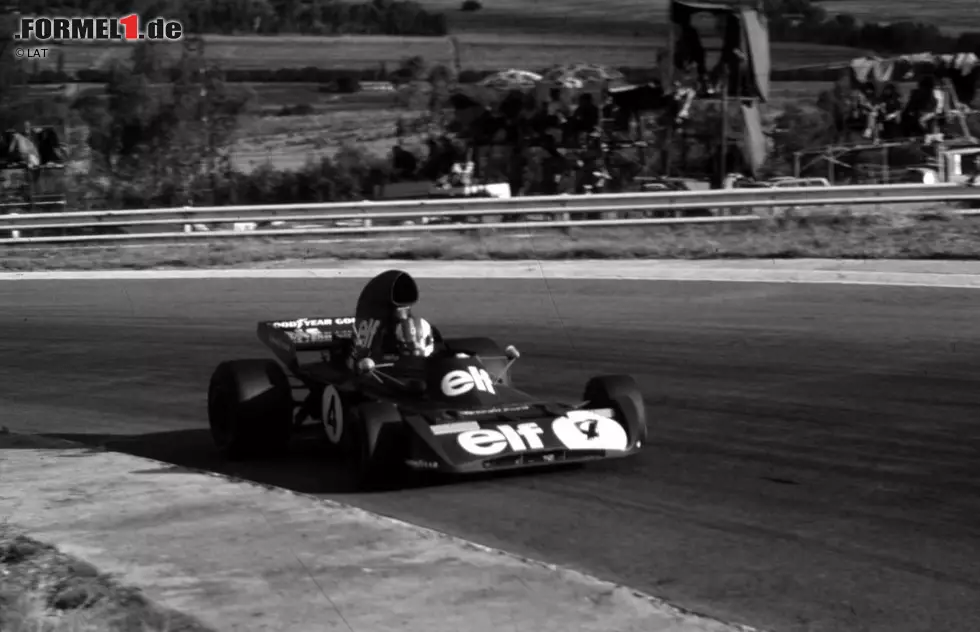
585, 430
589, 428
333, 415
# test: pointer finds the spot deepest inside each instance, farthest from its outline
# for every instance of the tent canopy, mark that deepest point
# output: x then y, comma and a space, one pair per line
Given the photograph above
513, 79
583, 73
962, 69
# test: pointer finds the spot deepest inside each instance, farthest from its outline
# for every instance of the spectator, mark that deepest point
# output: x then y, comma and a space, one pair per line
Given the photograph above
586, 118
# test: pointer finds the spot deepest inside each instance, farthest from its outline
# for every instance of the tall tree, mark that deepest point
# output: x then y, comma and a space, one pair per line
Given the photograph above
159, 126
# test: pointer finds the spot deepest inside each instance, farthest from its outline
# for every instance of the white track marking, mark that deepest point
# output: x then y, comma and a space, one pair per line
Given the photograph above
964, 275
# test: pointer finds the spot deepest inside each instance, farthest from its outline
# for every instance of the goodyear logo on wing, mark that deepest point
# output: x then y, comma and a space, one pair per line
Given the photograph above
306, 322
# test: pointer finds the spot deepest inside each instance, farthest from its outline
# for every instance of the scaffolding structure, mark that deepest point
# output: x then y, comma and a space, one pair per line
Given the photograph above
31, 189
910, 158
28, 187
728, 135
939, 149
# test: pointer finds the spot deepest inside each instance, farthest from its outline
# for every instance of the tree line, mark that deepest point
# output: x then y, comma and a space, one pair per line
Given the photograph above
347, 80
789, 21
806, 21
265, 17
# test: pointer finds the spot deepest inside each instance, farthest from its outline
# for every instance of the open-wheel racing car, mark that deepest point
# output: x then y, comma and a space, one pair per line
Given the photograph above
453, 409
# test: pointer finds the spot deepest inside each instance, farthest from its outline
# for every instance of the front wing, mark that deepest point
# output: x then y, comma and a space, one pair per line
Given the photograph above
463, 447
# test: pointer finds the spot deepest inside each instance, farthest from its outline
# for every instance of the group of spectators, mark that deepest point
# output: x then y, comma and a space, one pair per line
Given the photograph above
885, 115
559, 138
31, 147
947, 85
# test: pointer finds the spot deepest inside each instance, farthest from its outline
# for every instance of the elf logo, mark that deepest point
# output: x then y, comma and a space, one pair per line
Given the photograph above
456, 383
365, 331
488, 442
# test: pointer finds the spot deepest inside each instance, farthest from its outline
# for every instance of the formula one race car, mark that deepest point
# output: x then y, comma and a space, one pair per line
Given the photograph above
453, 411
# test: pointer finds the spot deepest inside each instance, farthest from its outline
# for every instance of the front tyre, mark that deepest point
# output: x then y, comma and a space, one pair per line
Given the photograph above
622, 394
250, 408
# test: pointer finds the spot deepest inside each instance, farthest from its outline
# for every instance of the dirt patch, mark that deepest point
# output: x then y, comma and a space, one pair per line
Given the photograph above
43, 589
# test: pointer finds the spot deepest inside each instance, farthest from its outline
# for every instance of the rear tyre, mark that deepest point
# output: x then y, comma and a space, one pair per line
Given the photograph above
381, 439
623, 395
250, 408
490, 353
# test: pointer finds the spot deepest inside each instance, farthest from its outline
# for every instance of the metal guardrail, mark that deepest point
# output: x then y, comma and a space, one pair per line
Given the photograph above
678, 204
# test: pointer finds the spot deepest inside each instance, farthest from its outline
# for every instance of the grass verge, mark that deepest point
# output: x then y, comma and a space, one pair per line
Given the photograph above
44, 590
841, 237
477, 51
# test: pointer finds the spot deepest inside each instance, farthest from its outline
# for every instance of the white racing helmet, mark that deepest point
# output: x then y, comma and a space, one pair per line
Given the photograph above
414, 336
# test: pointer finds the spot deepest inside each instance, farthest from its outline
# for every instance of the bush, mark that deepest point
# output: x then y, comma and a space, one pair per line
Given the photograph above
349, 176
300, 109
473, 76
48, 76
92, 75
471, 5
348, 85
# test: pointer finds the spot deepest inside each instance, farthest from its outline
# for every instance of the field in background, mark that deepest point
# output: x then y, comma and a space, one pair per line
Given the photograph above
523, 34
366, 119
286, 140
649, 16
505, 34
619, 17
478, 51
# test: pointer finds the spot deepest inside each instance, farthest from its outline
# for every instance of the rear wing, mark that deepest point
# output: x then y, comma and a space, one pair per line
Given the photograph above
288, 337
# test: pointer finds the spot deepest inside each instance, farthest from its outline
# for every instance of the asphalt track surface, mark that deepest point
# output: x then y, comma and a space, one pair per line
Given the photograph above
815, 455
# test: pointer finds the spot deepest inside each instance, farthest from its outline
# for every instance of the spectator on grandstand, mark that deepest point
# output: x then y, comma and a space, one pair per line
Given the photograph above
890, 112
926, 109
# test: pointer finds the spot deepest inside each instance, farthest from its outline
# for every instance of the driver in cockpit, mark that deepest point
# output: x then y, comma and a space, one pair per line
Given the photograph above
404, 335
413, 335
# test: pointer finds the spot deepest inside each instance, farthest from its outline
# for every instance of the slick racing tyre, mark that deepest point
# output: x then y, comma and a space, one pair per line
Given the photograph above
381, 442
250, 408
623, 395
